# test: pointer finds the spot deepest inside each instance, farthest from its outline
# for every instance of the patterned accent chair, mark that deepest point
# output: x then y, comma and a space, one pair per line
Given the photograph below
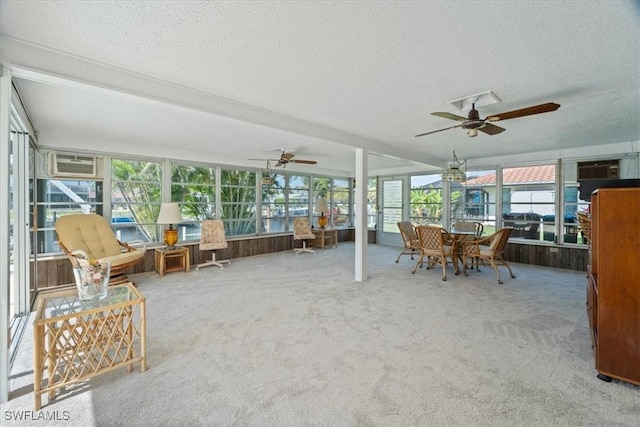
213, 238
302, 231
436, 245
90, 236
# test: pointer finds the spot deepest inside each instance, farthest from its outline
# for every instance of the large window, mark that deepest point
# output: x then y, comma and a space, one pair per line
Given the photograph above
426, 199
274, 206
475, 199
59, 197
238, 202
136, 194
298, 197
372, 203
340, 205
194, 188
528, 201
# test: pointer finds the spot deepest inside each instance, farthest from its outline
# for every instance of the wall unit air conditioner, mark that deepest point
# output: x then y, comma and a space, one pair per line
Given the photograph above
69, 165
602, 169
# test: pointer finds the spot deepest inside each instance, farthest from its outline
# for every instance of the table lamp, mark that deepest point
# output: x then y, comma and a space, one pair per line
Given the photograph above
322, 207
170, 214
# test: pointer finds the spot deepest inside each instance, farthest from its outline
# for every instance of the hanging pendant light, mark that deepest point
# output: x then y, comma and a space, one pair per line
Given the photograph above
454, 174
267, 179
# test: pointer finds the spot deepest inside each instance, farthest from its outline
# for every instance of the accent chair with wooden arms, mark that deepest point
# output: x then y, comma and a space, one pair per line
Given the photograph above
213, 238
302, 231
411, 243
478, 250
435, 244
91, 236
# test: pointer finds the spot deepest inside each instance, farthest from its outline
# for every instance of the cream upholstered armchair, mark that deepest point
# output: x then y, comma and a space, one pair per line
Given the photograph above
302, 231
212, 238
91, 236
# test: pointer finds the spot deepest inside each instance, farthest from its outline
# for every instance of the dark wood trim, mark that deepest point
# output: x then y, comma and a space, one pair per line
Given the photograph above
55, 272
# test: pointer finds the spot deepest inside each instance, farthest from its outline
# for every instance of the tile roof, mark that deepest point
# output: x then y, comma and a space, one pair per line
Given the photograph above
520, 175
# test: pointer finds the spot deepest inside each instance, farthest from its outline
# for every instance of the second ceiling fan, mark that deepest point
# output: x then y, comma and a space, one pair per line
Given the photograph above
286, 158
473, 123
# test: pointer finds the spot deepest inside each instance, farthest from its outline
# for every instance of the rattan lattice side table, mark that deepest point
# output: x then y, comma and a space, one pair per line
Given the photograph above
76, 340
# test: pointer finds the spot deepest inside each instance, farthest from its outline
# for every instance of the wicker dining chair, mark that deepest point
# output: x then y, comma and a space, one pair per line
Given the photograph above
411, 244
477, 250
584, 221
435, 245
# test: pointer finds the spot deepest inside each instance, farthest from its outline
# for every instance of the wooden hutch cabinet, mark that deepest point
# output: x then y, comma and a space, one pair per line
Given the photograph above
613, 283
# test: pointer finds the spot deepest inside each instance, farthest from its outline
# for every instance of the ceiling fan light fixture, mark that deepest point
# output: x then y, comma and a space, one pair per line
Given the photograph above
472, 132
479, 99
454, 174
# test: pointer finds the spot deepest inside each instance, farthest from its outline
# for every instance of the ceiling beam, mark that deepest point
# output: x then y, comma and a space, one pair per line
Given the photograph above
36, 63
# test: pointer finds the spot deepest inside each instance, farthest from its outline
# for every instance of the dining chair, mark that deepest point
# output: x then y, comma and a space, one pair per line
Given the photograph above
410, 241
584, 221
436, 245
478, 250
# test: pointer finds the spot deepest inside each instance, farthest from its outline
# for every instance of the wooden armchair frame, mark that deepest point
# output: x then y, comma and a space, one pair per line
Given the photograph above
91, 236
411, 243
436, 245
478, 250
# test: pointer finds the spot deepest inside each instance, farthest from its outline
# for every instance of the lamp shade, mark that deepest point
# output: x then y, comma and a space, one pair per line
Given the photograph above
170, 214
321, 206
454, 175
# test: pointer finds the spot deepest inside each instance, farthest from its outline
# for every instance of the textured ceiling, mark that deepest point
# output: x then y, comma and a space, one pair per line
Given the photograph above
226, 81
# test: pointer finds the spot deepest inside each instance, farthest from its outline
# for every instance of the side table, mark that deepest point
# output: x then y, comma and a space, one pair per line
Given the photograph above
325, 237
169, 260
75, 340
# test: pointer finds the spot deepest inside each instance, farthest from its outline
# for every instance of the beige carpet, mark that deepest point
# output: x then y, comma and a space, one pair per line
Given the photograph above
286, 340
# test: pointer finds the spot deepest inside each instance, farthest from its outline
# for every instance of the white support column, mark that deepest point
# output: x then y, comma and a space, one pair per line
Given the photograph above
360, 201
5, 108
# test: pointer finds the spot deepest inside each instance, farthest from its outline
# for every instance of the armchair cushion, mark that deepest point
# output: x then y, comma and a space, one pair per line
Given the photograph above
91, 236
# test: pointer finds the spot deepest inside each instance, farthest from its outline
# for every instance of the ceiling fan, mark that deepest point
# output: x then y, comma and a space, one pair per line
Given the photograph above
473, 123
286, 158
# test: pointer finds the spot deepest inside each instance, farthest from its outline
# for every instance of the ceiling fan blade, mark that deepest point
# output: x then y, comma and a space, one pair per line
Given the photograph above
529, 111
306, 162
449, 116
490, 129
439, 130
288, 156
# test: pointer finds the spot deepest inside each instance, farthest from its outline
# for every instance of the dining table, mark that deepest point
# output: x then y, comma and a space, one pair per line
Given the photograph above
456, 248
